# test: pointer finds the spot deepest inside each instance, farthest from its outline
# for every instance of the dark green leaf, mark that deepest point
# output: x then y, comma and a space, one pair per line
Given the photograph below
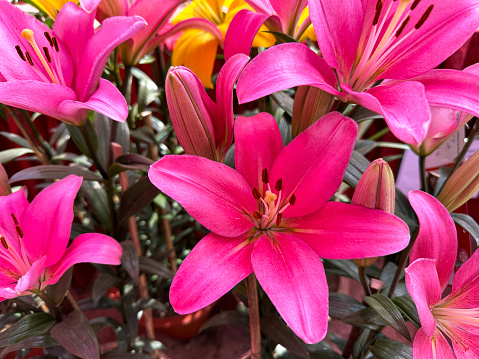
30, 326
145, 303
391, 349
53, 172
342, 305
231, 317
77, 336
276, 329
8, 155
281, 38
284, 101
403, 210
77, 137
357, 165
102, 129
151, 266
365, 146
58, 291
468, 223
348, 267
136, 198
98, 202
365, 318
408, 308
389, 312
122, 135
16, 139
104, 282
131, 310
41, 341
130, 261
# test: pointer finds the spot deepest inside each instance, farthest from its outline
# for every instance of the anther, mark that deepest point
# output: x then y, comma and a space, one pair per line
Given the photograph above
14, 219
279, 185
257, 214
17, 225
49, 38
424, 17
279, 216
29, 58
379, 7
264, 175
256, 193
47, 54
55, 43
403, 25
292, 199
20, 53
4, 242
415, 4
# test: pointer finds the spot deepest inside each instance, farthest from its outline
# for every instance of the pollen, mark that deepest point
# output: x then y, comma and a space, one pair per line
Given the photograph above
4, 242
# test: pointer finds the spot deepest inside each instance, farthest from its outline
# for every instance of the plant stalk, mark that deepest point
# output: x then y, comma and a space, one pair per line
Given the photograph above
254, 325
364, 280
423, 174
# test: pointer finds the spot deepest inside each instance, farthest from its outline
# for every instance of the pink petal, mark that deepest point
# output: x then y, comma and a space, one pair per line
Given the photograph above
109, 8
465, 285
214, 194
312, 166
86, 248
289, 12
258, 142
292, 275
8, 292
17, 204
344, 231
261, 6
89, 5
404, 107
338, 29
437, 238
241, 32
31, 279
282, 67
113, 32
48, 220
38, 96
423, 285
224, 98
214, 266
423, 346
106, 100
471, 348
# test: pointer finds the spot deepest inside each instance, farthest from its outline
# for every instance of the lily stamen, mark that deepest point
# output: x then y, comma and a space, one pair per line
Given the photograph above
27, 34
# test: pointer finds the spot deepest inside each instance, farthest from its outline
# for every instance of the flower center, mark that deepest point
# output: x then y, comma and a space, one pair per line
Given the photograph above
390, 28
270, 206
10, 254
48, 59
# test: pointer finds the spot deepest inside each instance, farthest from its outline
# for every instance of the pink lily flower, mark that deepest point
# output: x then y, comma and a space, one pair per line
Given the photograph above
34, 239
272, 216
58, 72
203, 128
456, 316
365, 41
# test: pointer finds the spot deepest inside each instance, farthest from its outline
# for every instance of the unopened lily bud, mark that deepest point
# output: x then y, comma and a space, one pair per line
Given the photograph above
5, 188
310, 103
375, 190
188, 104
462, 185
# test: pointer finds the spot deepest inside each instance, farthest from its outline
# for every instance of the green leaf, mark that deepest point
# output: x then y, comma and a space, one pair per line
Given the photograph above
30, 326
468, 223
8, 155
365, 318
58, 291
16, 139
41, 341
77, 336
408, 308
284, 101
281, 38
342, 305
389, 312
391, 349
151, 266
53, 172
346, 266
136, 198
130, 261
104, 282
356, 167
274, 328
230, 317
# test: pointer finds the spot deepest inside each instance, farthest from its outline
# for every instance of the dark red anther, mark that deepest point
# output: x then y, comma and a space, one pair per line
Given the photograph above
415, 4
256, 193
424, 17
17, 225
279, 216
379, 7
14, 219
257, 214
49, 38
403, 25
264, 175
29, 58
47, 54
55, 43
20, 53
279, 185
4, 242
292, 199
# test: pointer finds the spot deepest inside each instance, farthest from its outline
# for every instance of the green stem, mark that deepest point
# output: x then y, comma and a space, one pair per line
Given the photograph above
54, 310
423, 174
364, 280
254, 325
37, 135
125, 86
92, 151
379, 134
341, 107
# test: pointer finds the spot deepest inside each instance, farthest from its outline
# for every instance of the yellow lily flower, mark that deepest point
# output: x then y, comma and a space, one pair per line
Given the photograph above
51, 7
196, 49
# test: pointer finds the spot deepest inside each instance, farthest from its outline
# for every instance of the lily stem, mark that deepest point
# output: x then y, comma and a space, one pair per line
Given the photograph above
364, 280
54, 310
423, 174
72, 301
255, 329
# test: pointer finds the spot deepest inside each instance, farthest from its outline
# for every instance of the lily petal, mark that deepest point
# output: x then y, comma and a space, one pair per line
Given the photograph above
425, 347
17, 204
404, 107
437, 238
284, 66
214, 194
214, 266
48, 220
106, 100
89, 5
258, 142
312, 166
86, 248
344, 231
465, 285
292, 275
423, 285
31, 279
